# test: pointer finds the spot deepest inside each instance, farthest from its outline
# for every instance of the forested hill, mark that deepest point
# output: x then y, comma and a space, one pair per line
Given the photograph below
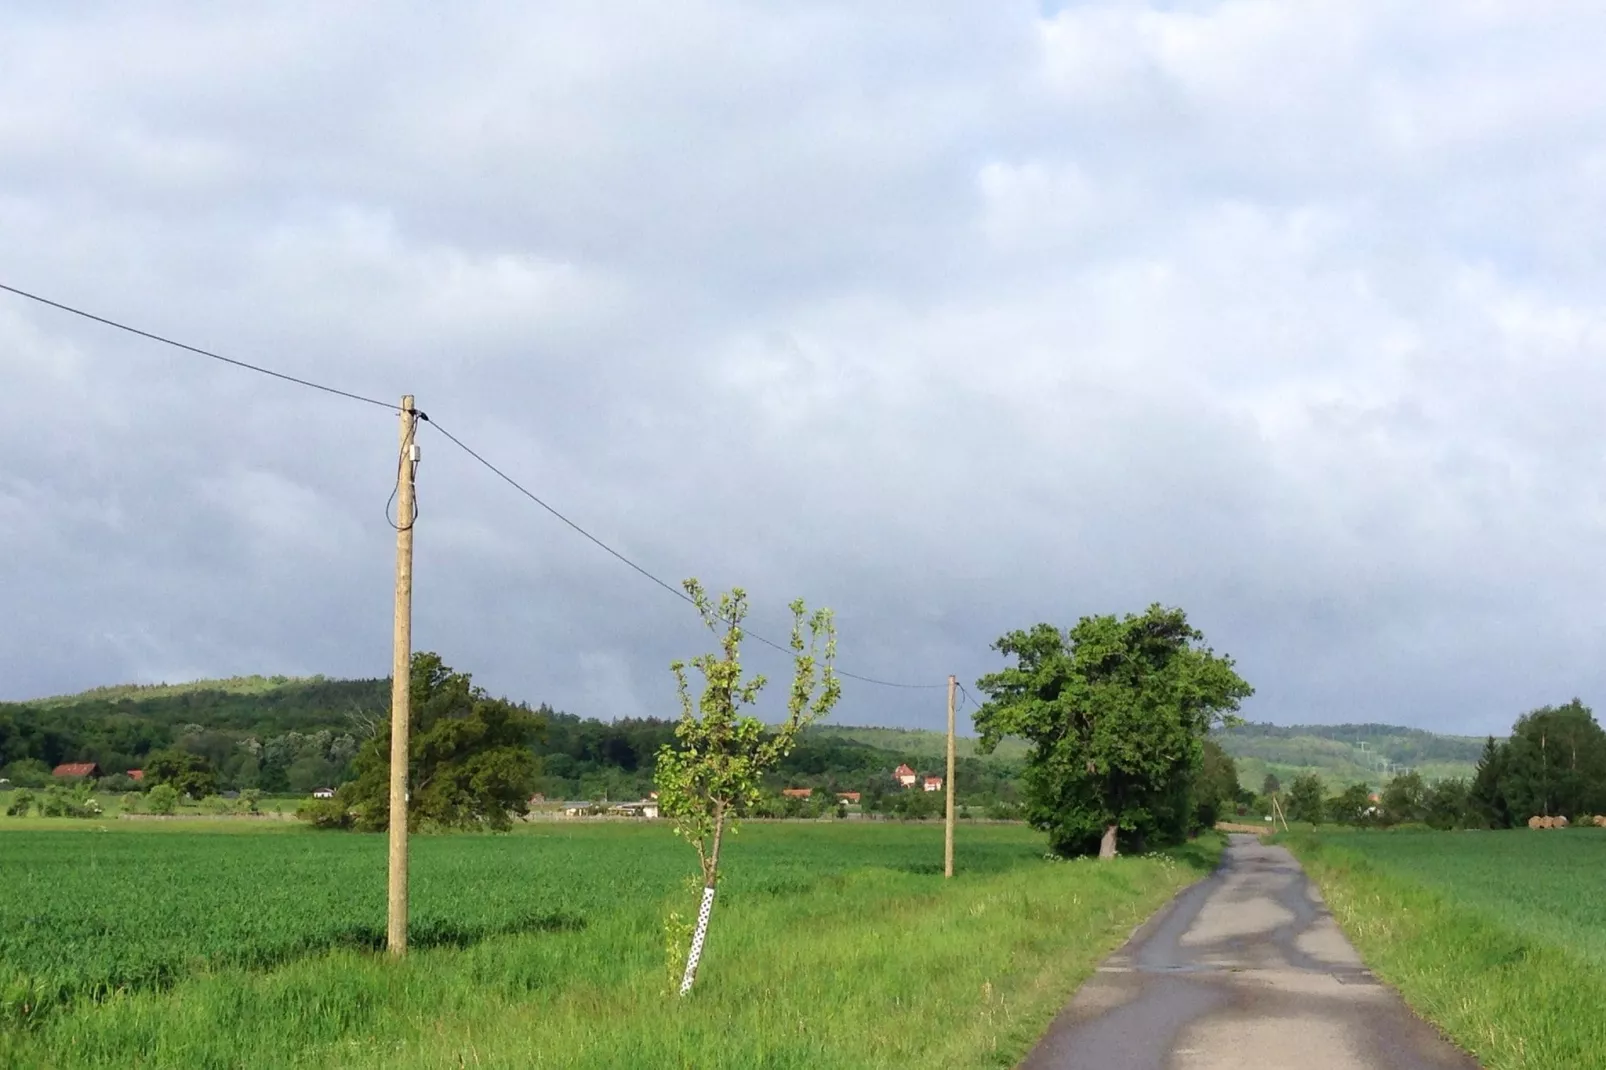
1346, 753
282, 734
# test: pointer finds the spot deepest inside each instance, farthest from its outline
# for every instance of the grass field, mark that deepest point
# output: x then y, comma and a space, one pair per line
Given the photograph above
1499, 937
832, 945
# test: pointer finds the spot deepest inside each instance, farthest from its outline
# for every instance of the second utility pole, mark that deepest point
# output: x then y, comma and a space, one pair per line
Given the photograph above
401, 678
949, 786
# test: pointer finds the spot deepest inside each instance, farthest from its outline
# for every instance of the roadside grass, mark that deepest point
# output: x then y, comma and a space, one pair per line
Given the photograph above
1493, 936
875, 965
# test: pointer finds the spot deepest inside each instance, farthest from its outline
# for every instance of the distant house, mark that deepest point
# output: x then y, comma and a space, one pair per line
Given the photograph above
76, 770
905, 776
538, 797
934, 783
136, 775
797, 793
324, 793
645, 808
848, 797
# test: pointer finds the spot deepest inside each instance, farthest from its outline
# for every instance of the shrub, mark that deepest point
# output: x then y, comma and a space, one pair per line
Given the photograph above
20, 804
324, 814
162, 799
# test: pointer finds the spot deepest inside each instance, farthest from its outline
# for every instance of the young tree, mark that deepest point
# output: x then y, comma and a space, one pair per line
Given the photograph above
1487, 796
1116, 710
470, 762
1270, 786
712, 773
1306, 799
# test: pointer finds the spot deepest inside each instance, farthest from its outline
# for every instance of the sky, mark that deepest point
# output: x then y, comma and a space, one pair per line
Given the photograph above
953, 317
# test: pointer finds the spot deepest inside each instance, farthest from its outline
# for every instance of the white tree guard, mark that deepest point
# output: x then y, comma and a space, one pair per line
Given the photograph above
697, 941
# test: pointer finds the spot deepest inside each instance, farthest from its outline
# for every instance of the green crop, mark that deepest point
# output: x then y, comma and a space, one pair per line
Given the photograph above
84, 916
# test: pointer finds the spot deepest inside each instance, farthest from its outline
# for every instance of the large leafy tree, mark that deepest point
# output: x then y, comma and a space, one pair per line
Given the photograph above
1116, 710
1405, 799
712, 772
1352, 806
1555, 763
188, 774
470, 762
1307, 799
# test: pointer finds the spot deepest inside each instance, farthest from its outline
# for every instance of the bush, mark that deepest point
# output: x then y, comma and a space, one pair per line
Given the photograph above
20, 804
249, 801
324, 814
27, 773
162, 799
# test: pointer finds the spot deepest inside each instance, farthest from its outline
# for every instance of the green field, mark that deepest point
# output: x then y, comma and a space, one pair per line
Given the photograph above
833, 945
1499, 937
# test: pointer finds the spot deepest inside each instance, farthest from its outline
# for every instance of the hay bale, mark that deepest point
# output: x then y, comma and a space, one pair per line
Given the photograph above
1600, 821
1561, 822
1533, 822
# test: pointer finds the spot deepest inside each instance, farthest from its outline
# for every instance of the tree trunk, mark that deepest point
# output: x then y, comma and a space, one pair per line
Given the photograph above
696, 953
1107, 844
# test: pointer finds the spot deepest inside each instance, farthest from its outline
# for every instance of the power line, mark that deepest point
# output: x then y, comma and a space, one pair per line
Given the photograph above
677, 592
196, 349
509, 480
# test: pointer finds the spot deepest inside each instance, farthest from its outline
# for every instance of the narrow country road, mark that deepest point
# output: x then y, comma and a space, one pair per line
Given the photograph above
1246, 970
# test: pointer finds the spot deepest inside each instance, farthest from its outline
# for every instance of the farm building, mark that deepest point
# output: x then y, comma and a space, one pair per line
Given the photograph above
797, 793
324, 793
76, 770
848, 797
934, 783
136, 775
905, 776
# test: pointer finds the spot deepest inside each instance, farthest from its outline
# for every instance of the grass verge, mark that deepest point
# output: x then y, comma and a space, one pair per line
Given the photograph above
865, 968
1512, 998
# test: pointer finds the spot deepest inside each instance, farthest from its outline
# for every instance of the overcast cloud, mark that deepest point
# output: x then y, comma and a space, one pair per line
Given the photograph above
951, 316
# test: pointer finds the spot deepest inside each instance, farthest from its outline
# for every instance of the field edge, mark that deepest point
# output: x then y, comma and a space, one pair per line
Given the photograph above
1513, 1001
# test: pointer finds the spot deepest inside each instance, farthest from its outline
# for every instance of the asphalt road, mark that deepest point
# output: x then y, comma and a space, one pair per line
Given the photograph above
1246, 970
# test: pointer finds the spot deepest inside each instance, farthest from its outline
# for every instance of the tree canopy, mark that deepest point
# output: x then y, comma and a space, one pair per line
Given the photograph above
1116, 711
469, 757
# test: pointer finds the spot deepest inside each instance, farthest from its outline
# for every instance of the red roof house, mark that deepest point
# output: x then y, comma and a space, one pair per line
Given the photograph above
76, 769
797, 793
934, 783
136, 774
905, 776
849, 796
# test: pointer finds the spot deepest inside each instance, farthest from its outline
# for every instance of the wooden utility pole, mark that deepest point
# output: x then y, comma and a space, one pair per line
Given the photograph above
401, 678
948, 788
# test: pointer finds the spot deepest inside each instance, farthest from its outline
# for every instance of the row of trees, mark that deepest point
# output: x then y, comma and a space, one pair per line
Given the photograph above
1553, 765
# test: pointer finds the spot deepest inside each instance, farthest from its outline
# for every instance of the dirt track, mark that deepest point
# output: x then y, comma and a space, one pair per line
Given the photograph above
1246, 970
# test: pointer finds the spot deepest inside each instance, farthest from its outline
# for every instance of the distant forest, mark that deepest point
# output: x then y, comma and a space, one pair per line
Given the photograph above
280, 735
294, 735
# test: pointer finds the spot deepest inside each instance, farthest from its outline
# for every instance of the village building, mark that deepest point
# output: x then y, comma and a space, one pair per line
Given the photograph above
76, 770
934, 783
848, 797
905, 776
797, 793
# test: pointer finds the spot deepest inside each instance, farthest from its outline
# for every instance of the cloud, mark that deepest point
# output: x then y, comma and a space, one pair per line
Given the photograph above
954, 321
